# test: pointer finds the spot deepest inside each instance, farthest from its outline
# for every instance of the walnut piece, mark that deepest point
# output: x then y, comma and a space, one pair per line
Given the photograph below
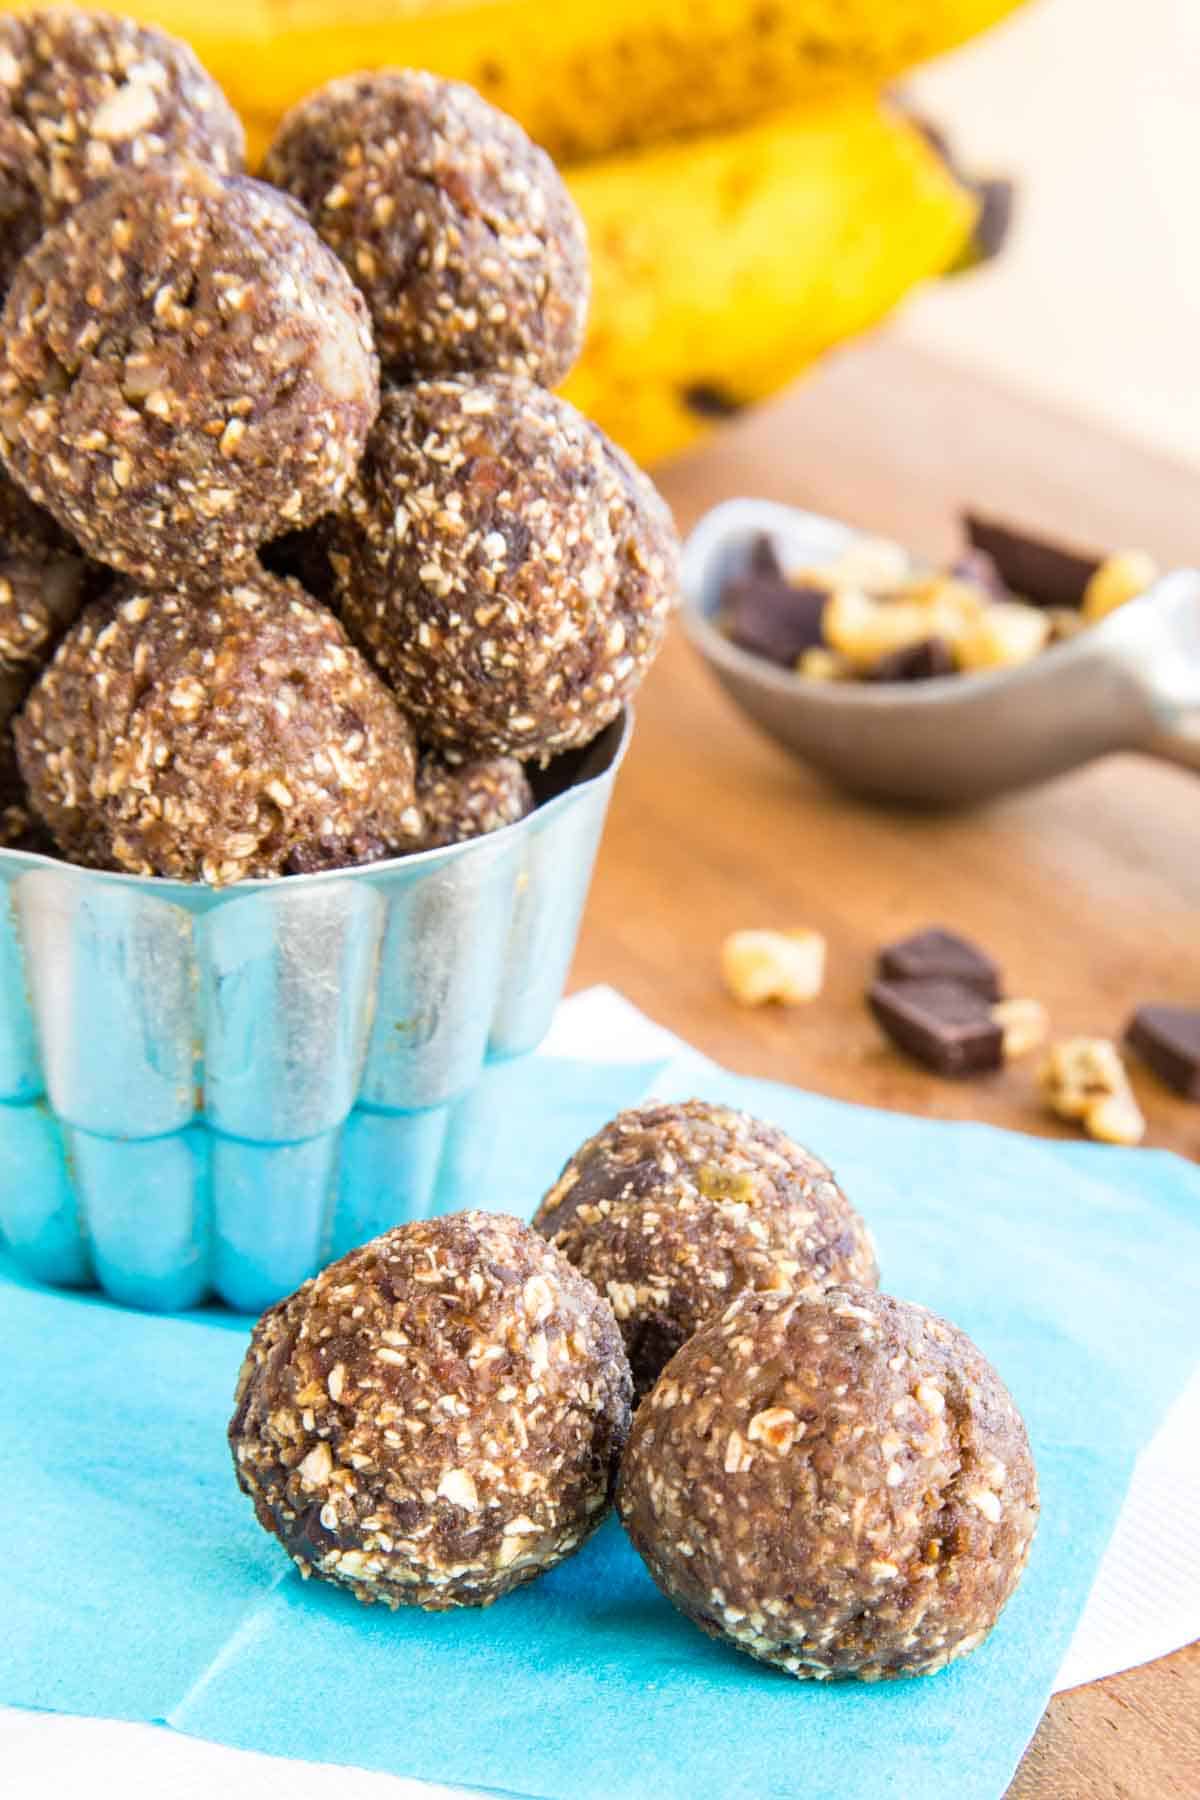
1121, 577
787, 967
1025, 1024
1084, 1079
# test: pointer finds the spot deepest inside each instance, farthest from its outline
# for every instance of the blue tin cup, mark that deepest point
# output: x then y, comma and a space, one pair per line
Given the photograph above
208, 1092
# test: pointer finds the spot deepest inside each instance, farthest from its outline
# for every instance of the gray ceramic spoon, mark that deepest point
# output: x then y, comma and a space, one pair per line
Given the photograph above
1131, 682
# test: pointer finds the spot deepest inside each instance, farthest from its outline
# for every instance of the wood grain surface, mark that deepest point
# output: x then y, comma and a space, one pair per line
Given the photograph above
1086, 890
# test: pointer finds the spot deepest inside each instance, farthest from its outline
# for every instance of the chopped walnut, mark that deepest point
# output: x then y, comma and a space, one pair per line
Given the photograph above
1025, 1024
1120, 577
875, 565
783, 966
1002, 634
1084, 1079
820, 664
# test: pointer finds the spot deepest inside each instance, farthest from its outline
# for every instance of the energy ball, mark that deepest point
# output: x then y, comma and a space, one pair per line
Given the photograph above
20, 204
18, 828
458, 230
437, 1418
44, 583
38, 600
506, 566
837, 1483
215, 735
673, 1210
469, 800
85, 95
28, 530
186, 371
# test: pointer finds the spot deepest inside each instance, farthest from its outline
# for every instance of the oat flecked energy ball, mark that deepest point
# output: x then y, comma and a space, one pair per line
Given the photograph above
215, 735
437, 1417
44, 583
186, 371
507, 567
460, 801
672, 1210
837, 1483
458, 230
39, 598
19, 830
84, 95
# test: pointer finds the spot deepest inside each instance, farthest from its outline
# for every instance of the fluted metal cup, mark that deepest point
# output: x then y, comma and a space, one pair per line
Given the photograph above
211, 1091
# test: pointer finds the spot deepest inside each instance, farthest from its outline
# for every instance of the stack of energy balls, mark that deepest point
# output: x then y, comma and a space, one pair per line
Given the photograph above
327, 565
834, 1481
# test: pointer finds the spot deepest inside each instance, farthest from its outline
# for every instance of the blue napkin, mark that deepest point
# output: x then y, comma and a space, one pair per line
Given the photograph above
136, 1584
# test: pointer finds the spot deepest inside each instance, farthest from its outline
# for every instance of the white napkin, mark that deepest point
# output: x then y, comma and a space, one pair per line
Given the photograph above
1144, 1604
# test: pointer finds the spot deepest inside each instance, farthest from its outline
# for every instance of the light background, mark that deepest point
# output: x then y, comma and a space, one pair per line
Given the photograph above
1094, 106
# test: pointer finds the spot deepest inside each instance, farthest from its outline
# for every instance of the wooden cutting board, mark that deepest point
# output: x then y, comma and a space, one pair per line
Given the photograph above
1087, 890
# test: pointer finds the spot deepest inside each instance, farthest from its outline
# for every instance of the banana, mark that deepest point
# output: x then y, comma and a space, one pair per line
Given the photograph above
722, 267
583, 76
724, 262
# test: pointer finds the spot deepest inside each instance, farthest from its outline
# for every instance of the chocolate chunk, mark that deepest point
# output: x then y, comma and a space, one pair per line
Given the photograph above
915, 662
1047, 574
936, 954
764, 613
942, 1024
764, 558
1167, 1038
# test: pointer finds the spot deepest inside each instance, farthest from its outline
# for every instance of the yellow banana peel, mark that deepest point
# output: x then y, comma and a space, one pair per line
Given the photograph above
583, 76
722, 267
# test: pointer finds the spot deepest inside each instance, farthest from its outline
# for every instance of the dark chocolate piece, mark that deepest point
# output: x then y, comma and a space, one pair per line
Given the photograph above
942, 1024
1167, 1038
936, 954
765, 614
1045, 573
764, 557
916, 662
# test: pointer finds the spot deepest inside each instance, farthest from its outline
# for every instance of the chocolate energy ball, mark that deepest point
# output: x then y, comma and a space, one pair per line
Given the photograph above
19, 830
469, 800
29, 530
673, 1210
85, 95
458, 230
214, 735
20, 203
507, 567
837, 1483
186, 370
38, 600
437, 1417
45, 581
